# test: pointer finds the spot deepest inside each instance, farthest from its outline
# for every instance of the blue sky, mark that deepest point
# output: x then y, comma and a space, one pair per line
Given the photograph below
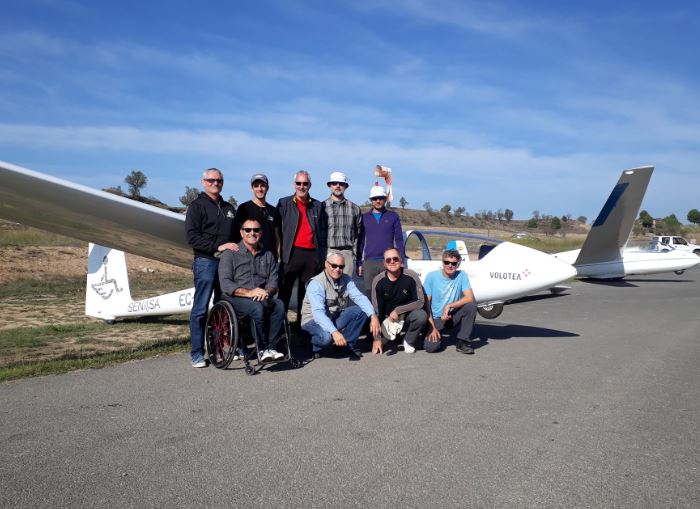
485, 105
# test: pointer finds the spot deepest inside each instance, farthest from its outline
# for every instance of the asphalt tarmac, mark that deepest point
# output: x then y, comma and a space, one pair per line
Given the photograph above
590, 399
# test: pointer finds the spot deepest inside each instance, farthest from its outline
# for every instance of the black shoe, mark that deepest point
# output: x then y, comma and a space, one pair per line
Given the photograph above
316, 355
390, 352
355, 354
464, 347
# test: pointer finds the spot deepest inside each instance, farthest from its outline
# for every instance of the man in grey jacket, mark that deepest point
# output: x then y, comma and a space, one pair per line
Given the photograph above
335, 310
248, 280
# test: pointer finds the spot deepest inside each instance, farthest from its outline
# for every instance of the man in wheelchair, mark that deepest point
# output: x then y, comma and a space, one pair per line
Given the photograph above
248, 280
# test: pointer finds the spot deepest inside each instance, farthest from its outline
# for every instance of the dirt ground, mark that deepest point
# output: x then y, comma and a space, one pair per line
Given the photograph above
22, 265
60, 261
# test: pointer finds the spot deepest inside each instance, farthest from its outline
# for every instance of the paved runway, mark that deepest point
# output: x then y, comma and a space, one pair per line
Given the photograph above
591, 399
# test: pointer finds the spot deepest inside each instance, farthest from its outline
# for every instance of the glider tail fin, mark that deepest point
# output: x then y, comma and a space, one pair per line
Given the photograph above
611, 229
107, 288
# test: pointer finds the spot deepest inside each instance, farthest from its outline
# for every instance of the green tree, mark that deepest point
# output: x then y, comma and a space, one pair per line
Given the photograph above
536, 215
582, 219
673, 225
532, 223
508, 214
646, 219
428, 207
555, 223
694, 216
446, 209
190, 195
459, 211
136, 180
403, 202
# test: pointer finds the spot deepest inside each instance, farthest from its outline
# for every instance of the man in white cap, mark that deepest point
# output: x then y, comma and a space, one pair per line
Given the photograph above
344, 220
261, 211
381, 229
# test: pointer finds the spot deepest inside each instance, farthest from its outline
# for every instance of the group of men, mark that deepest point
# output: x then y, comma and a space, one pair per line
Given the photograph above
253, 257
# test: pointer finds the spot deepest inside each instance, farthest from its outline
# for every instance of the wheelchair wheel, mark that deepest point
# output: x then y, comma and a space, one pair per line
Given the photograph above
221, 336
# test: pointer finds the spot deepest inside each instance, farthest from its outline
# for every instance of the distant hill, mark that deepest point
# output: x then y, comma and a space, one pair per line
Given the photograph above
150, 200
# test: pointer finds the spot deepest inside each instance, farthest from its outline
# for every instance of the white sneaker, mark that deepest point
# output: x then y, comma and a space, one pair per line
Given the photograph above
199, 364
267, 355
408, 348
276, 355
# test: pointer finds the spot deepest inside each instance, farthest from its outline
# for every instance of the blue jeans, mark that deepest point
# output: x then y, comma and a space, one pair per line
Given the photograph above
206, 283
349, 322
257, 311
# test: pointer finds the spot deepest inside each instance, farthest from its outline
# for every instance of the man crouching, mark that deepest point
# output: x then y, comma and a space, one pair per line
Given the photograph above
248, 280
327, 313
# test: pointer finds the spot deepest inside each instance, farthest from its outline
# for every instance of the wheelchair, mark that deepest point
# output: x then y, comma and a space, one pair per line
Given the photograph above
228, 334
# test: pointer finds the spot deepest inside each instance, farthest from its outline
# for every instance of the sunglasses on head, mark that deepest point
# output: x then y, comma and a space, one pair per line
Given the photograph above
336, 265
303, 184
447, 262
251, 230
214, 181
392, 259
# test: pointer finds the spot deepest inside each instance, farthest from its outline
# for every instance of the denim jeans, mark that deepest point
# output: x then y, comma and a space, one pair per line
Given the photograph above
349, 322
257, 312
206, 283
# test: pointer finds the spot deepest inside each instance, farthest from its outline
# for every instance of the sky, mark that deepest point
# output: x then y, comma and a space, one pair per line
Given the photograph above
482, 105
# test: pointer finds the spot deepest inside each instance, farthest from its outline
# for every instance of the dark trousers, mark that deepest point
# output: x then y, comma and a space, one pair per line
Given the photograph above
266, 316
370, 269
462, 321
413, 327
303, 265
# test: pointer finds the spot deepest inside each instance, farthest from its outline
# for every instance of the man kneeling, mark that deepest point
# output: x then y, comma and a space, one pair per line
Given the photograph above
452, 304
248, 280
327, 313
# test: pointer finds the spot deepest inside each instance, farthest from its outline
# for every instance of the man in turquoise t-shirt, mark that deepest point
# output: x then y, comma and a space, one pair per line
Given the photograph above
452, 304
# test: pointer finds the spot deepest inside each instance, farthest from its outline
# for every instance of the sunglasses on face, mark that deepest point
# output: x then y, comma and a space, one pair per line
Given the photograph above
303, 184
377, 198
451, 264
336, 266
214, 181
392, 259
338, 184
251, 230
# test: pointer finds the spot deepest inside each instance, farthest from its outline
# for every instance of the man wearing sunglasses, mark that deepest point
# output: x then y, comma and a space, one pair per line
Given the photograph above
266, 214
211, 229
452, 304
381, 229
303, 239
335, 310
397, 295
248, 279
344, 219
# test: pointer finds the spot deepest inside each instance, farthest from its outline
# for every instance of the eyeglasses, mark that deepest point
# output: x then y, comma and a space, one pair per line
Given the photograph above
251, 230
214, 181
336, 266
452, 264
378, 198
337, 184
303, 184
392, 259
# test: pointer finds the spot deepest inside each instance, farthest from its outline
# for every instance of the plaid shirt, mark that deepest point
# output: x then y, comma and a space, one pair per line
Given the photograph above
344, 220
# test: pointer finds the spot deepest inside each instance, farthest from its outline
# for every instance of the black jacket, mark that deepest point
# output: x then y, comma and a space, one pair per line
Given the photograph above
290, 218
209, 224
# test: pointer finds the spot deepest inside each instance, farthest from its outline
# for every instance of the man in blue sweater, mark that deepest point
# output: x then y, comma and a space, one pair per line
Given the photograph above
381, 231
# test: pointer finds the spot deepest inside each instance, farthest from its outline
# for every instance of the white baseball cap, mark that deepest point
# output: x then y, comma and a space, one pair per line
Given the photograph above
338, 176
377, 191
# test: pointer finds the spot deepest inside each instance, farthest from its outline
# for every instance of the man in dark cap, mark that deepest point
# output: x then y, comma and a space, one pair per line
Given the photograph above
259, 210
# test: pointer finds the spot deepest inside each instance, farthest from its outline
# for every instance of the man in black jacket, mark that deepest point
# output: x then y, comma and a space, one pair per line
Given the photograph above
303, 239
211, 228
